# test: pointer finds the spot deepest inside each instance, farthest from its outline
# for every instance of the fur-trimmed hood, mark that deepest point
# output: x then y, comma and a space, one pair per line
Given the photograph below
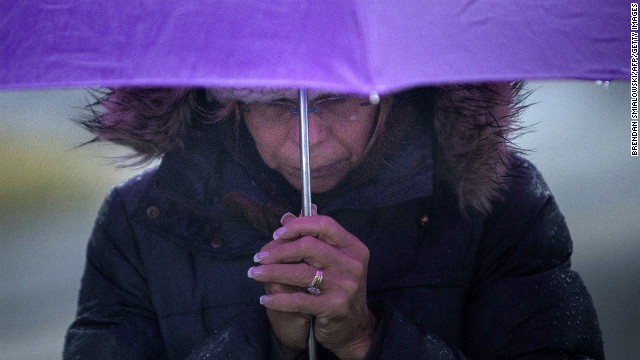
473, 126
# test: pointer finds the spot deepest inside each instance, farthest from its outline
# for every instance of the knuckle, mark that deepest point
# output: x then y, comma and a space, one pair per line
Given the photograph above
365, 253
340, 303
361, 249
301, 271
351, 286
356, 267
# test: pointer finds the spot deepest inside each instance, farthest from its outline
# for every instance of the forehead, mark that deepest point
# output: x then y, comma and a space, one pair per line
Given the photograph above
249, 95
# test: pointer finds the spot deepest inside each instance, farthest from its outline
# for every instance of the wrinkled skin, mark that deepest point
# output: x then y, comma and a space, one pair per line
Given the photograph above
344, 324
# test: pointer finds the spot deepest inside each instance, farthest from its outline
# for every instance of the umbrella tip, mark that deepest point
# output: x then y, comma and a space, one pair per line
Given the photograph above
374, 98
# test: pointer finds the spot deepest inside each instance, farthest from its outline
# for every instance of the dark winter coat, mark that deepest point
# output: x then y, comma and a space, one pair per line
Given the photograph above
457, 269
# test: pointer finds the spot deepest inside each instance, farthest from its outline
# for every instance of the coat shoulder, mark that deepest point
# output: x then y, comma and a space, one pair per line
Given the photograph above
524, 185
525, 232
127, 194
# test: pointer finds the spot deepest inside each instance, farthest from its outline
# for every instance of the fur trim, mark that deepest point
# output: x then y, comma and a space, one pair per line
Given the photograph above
474, 126
151, 121
249, 95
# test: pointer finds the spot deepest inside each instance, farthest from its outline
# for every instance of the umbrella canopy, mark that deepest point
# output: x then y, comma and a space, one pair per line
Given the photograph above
343, 45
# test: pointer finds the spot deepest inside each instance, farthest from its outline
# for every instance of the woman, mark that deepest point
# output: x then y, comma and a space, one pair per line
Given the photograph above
432, 239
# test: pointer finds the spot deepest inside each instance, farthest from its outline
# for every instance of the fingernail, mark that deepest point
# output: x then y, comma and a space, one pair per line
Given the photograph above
253, 271
265, 299
285, 217
279, 232
259, 256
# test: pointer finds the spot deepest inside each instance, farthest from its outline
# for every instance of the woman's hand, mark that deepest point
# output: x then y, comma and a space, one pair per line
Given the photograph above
344, 324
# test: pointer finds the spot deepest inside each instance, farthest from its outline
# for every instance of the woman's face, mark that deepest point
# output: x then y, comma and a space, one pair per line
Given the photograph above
339, 132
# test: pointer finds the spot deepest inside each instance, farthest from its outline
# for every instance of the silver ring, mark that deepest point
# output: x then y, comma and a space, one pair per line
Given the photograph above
314, 286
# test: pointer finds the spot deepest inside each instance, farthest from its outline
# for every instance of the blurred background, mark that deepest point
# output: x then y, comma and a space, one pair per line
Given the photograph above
51, 189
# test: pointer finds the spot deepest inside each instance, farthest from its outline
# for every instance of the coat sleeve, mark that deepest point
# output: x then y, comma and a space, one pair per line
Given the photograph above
115, 319
526, 301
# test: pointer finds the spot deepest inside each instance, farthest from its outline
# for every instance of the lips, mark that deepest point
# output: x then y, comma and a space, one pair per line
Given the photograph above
322, 171
325, 170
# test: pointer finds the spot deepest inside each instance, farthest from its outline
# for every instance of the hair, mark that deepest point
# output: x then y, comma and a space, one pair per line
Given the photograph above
150, 121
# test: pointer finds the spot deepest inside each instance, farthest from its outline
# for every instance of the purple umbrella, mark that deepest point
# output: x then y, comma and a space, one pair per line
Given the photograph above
358, 46
342, 45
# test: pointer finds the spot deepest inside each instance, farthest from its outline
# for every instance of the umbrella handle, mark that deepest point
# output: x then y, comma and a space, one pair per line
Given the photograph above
305, 186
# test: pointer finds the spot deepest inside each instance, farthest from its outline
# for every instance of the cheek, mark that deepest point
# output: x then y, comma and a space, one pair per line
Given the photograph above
267, 147
356, 136
269, 143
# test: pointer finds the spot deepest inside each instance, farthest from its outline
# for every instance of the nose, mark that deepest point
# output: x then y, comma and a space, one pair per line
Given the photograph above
318, 131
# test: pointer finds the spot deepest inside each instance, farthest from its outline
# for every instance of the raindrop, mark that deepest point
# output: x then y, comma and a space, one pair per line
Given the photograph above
604, 84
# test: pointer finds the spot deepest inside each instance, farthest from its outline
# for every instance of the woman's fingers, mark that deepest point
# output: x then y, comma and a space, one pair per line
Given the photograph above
306, 249
298, 275
332, 305
301, 248
299, 303
321, 227
318, 240
293, 261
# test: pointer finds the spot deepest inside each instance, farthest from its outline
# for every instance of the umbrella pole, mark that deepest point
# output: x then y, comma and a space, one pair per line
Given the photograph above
305, 186
305, 176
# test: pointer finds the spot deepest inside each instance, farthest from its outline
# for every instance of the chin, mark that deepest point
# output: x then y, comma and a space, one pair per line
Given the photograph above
320, 186
317, 186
